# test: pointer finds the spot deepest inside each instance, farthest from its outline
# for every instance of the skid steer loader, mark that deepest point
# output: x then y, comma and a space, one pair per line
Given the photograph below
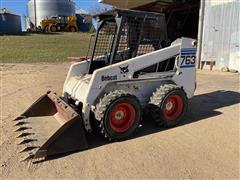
131, 71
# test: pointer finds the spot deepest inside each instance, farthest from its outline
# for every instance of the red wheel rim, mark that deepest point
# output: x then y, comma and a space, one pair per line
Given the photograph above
122, 117
173, 107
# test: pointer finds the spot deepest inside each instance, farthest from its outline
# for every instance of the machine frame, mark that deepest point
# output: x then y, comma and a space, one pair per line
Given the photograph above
85, 84
131, 69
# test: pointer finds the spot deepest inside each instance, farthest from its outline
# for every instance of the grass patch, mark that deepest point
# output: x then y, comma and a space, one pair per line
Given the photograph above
31, 48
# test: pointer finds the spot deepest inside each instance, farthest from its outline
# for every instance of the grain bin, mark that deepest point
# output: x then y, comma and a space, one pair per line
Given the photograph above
9, 22
84, 20
49, 8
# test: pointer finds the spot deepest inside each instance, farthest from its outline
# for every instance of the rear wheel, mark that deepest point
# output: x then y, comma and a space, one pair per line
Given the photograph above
168, 105
53, 28
72, 29
118, 115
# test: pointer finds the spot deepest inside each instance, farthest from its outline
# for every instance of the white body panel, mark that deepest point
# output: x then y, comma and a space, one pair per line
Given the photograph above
87, 89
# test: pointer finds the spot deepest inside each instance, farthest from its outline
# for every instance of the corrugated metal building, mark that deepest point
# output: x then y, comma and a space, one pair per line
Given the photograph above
216, 23
9, 22
221, 33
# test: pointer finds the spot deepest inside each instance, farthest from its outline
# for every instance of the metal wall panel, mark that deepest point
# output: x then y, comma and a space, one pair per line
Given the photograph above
221, 33
10, 23
48, 8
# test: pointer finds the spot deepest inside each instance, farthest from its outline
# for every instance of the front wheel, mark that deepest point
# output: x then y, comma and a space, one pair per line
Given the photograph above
118, 115
168, 105
46, 29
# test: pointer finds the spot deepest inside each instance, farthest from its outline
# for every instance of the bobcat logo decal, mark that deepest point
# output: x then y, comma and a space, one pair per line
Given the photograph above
124, 70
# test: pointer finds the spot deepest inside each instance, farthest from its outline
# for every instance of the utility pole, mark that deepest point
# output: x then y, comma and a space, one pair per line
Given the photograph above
35, 15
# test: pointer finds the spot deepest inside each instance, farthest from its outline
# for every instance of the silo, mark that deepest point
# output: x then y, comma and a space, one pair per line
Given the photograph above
49, 8
84, 20
9, 22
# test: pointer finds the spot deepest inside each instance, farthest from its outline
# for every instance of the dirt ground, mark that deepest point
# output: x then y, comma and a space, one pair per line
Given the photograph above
206, 145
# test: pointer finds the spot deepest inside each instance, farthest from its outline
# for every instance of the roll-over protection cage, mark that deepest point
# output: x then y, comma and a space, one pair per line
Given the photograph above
124, 34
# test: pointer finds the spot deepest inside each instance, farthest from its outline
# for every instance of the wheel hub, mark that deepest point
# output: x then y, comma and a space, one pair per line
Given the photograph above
122, 117
119, 115
173, 107
169, 105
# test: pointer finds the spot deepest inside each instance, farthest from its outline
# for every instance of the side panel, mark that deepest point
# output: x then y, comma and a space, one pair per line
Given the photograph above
186, 75
142, 89
76, 69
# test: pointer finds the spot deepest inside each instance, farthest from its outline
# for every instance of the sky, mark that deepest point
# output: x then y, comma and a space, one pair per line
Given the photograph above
20, 6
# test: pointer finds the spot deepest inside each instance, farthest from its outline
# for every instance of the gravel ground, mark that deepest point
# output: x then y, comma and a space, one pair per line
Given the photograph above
206, 145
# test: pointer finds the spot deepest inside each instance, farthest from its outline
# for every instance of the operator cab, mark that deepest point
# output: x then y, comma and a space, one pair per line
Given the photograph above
125, 34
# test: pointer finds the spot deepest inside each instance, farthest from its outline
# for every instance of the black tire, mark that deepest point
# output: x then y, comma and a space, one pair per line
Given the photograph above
168, 105
120, 124
46, 29
72, 29
53, 28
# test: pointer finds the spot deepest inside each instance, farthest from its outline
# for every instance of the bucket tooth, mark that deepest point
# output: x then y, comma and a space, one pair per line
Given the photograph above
28, 148
23, 134
19, 118
19, 123
22, 128
25, 141
27, 157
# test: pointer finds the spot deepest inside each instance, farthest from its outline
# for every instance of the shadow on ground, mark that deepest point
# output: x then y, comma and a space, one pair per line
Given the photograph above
200, 107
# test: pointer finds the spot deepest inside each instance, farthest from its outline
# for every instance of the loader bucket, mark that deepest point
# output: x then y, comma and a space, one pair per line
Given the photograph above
49, 127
